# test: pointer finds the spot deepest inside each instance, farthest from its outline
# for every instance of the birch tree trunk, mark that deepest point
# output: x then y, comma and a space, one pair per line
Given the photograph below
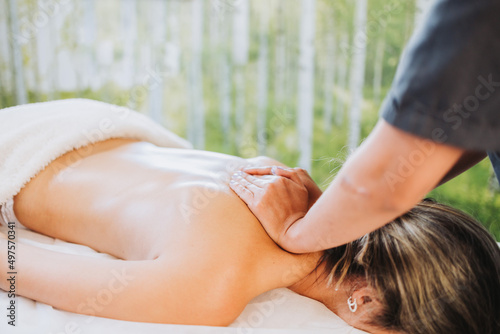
157, 27
173, 50
280, 56
63, 61
241, 32
173, 61
341, 81
76, 17
262, 84
215, 31
224, 67
16, 53
225, 96
44, 54
357, 74
74, 22
240, 58
196, 115
6, 81
220, 67
54, 61
305, 112
329, 78
378, 69
29, 47
173, 22
88, 43
129, 39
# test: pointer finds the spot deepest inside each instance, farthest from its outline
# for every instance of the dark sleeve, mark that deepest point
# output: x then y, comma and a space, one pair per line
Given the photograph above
447, 86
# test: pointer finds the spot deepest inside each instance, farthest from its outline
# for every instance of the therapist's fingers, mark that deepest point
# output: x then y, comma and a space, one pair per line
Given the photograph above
249, 184
257, 181
289, 173
267, 170
240, 190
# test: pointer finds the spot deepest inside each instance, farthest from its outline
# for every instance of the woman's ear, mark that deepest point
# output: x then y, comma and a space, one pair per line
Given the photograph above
366, 301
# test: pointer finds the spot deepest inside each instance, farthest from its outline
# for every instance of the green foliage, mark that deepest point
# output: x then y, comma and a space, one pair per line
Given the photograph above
470, 193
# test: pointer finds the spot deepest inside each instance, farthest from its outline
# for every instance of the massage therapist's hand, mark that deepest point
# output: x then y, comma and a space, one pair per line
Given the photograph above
276, 201
314, 192
279, 206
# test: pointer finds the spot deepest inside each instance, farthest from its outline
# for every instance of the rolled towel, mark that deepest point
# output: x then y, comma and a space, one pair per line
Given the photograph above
33, 135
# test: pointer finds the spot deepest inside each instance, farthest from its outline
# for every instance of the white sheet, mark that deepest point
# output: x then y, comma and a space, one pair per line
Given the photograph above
277, 311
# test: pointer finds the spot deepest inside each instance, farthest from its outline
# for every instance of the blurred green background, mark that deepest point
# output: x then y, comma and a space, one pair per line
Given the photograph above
225, 73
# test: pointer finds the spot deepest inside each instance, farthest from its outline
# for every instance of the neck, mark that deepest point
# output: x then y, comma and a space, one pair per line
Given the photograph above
314, 286
308, 286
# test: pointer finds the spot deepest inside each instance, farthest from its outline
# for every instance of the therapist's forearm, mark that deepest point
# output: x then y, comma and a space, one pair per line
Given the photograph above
335, 219
379, 182
341, 214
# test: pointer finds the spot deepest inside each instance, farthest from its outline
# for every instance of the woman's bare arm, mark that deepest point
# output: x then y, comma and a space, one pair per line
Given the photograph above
385, 177
144, 291
86, 285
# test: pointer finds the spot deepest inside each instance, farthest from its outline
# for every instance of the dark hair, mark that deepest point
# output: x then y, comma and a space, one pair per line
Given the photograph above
435, 270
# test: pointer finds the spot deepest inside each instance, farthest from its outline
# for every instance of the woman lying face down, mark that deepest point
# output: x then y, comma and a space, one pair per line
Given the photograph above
190, 252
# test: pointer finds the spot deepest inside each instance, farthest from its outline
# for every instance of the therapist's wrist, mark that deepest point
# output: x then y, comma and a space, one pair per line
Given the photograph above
313, 197
292, 239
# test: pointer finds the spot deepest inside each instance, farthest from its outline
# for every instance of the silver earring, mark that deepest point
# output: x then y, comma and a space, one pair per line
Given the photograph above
353, 305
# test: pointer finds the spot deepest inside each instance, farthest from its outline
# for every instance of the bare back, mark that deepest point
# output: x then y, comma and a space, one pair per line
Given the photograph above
139, 202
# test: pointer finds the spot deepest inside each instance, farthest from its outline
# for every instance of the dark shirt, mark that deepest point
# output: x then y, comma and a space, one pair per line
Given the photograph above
447, 86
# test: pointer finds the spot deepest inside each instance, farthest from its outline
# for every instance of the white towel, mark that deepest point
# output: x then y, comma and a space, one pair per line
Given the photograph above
33, 135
